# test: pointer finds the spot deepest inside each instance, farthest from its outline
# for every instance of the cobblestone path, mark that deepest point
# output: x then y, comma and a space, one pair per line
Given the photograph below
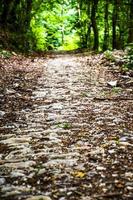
65, 134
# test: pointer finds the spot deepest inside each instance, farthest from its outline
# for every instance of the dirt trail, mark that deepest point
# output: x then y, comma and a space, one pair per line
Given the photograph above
65, 134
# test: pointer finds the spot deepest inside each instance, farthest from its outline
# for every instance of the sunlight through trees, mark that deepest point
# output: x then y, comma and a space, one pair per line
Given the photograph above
66, 24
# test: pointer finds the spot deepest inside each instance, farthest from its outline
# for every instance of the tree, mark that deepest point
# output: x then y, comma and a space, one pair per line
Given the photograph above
106, 26
130, 32
15, 21
114, 23
56, 24
94, 24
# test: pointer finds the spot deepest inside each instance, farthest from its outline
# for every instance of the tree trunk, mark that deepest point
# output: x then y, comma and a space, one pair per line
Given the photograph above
15, 19
115, 19
5, 12
88, 36
130, 32
106, 24
94, 25
62, 30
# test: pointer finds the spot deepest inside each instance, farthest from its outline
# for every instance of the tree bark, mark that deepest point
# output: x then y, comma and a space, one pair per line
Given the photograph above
94, 25
15, 19
88, 35
114, 20
130, 32
106, 28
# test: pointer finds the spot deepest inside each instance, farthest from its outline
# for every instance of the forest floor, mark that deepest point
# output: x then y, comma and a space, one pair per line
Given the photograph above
66, 133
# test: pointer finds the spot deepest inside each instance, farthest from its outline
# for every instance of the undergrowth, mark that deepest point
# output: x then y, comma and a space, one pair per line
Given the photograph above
129, 57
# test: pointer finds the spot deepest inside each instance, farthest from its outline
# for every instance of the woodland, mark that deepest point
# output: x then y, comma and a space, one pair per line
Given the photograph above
43, 25
66, 99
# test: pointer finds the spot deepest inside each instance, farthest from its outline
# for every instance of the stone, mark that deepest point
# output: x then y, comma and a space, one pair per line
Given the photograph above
2, 113
99, 168
11, 91
130, 188
2, 181
15, 174
41, 171
111, 151
39, 198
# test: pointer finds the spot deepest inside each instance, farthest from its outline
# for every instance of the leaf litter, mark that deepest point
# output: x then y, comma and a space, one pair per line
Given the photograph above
66, 132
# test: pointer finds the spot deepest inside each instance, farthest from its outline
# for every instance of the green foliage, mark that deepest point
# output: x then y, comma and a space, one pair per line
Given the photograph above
5, 54
39, 36
129, 57
66, 25
65, 125
71, 42
116, 90
53, 26
109, 55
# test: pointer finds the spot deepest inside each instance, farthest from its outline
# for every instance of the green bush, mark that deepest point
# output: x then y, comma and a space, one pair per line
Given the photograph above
5, 54
109, 55
129, 57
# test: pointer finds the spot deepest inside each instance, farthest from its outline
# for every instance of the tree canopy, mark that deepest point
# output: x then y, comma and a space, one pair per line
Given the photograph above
66, 24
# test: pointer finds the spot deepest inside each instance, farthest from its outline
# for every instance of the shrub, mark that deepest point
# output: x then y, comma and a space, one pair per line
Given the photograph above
5, 54
129, 56
109, 55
